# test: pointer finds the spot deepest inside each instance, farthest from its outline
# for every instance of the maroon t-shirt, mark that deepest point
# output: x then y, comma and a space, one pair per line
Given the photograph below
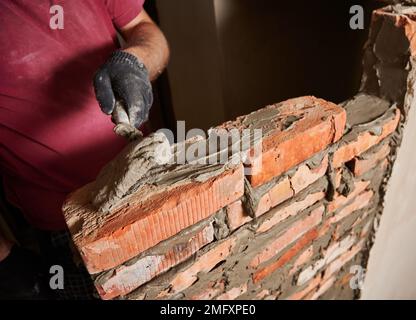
53, 136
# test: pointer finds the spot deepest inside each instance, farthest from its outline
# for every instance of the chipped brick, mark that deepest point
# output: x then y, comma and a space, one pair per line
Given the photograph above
294, 232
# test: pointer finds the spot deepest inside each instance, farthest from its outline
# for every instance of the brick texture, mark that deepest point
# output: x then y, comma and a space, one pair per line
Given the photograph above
145, 225
283, 225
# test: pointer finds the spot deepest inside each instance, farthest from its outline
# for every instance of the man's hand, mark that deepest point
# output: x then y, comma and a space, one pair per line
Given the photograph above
123, 78
123, 82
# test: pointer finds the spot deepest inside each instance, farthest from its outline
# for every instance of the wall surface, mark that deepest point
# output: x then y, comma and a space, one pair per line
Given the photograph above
391, 270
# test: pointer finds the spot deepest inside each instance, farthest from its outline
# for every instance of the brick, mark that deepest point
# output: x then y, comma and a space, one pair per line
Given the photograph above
236, 215
404, 21
262, 294
338, 177
292, 209
233, 293
126, 278
340, 200
280, 192
286, 257
141, 224
364, 141
305, 176
293, 131
323, 287
288, 187
330, 254
338, 263
294, 232
213, 289
361, 166
360, 202
302, 293
203, 263
303, 258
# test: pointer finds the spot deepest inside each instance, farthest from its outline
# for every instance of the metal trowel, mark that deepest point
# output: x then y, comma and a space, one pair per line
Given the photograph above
123, 127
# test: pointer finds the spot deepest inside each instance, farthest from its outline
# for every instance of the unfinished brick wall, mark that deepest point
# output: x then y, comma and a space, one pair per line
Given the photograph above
290, 230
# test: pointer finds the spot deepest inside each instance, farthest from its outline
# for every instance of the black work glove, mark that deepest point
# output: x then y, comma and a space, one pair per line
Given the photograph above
123, 89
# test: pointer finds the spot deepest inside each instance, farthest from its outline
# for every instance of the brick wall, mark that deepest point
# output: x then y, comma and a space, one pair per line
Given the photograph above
289, 230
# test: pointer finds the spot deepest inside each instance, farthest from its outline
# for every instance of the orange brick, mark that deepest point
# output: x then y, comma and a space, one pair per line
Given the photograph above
361, 166
140, 224
288, 187
280, 192
338, 177
212, 290
294, 232
341, 200
404, 21
360, 202
289, 210
303, 258
293, 131
337, 264
305, 176
364, 141
312, 134
236, 215
233, 293
262, 294
203, 263
126, 278
323, 287
302, 293
286, 257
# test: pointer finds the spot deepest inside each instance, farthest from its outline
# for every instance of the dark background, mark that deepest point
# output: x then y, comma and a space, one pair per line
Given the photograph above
230, 57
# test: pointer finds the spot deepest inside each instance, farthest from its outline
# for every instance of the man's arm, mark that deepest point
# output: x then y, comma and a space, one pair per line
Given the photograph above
122, 85
145, 40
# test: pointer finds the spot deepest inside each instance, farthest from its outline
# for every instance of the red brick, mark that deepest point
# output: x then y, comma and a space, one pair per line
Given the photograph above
340, 200
236, 215
233, 293
294, 232
289, 210
360, 202
293, 131
262, 294
330, 254
141, 224
126, 278
337, 264
213, 289
323, 287
364, 141
288, 187
203, 263
302, 293
312, 134
303, 258
280, 192
338, 177
403, 21
305, 176
286, 257
361, 166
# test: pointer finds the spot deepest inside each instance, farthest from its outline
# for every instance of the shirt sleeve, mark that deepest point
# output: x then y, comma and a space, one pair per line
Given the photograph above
122, 12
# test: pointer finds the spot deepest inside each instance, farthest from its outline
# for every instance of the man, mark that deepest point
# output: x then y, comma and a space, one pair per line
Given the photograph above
54, 137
